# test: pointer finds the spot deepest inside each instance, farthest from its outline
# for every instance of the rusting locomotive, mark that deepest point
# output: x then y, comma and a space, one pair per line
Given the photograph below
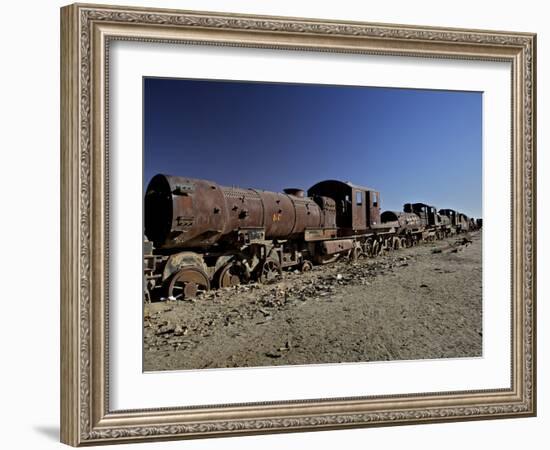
201, 235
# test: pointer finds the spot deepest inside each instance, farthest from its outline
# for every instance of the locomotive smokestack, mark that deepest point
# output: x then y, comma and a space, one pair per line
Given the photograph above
294, 191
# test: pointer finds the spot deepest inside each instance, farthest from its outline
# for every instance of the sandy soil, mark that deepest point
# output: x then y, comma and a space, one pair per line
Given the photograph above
416, 303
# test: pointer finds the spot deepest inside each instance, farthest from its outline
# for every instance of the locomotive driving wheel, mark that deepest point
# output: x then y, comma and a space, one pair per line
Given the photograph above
376, 248
367, 248
396, 243
187, 283
271, 271
230, 275
356, 252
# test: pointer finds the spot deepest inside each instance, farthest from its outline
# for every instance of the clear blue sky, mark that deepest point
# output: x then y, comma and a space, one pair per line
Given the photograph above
411, 145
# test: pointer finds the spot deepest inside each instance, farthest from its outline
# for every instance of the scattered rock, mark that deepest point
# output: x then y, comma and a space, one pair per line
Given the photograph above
165, 329
264, 312
180, 331
286, 347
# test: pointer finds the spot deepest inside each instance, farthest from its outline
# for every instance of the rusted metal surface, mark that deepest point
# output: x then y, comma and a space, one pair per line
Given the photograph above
451, 214
151, 262
189, 213
307, 215
183, 212
187, 282
232, 274
270, 270
463, 222
401, 220
177, 261
328, 209
242, 208
320, 234
443, 221
337, 246
373, 218
427, 213
357, 207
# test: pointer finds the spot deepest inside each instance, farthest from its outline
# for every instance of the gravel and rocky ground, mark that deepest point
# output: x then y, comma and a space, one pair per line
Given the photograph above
415, 303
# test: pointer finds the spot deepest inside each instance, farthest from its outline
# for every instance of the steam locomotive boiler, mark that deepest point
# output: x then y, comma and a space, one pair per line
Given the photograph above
190, 213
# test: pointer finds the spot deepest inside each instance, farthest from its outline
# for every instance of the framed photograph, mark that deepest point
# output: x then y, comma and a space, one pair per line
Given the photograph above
274, 224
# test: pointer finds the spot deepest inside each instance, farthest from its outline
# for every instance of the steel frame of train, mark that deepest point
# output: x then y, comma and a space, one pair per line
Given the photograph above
202, 235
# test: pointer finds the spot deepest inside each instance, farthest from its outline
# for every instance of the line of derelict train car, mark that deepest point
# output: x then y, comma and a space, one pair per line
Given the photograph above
201, 235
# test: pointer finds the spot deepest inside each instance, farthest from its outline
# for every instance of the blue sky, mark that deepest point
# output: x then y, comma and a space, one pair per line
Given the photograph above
411, 145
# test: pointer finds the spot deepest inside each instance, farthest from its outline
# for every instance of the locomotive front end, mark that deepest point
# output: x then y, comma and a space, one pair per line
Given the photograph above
183, 212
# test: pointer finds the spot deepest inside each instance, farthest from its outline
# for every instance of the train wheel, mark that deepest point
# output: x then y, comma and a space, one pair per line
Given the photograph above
187, 283
367, 248
403, 242
230, 275
306, 266
376, 248
356, 252
396, 243
271, 271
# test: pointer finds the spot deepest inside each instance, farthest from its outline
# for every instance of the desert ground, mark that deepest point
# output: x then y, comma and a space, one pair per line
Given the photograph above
422, 302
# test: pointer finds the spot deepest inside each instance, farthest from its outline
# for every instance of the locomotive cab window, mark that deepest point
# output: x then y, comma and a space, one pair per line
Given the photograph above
359, 198
375, 200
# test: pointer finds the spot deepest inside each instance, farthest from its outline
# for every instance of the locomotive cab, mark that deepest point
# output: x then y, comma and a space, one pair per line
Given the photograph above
357, 207
428, 214
451, 214
463, 222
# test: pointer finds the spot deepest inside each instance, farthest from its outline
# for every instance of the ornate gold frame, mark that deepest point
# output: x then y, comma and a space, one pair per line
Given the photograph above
86, 31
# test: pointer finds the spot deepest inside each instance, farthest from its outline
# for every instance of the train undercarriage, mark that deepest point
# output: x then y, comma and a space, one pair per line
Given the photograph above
184, 275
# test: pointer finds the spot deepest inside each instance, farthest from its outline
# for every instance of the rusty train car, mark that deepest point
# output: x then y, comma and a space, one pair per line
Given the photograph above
201, 235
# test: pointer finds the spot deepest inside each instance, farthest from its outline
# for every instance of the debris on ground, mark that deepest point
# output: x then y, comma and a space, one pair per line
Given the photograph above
389, 307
